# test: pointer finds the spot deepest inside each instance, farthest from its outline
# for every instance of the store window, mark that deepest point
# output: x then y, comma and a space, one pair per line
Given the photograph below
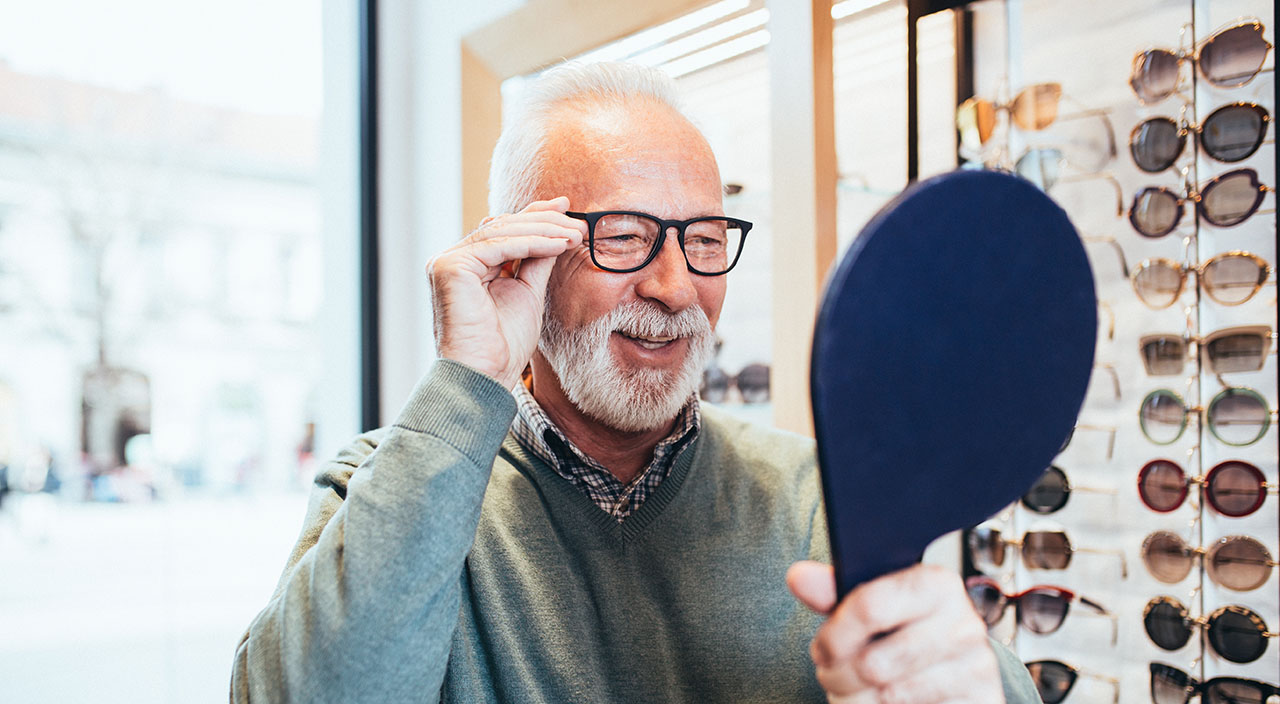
163, 244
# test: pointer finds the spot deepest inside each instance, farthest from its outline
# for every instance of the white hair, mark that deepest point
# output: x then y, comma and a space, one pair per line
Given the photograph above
516, 169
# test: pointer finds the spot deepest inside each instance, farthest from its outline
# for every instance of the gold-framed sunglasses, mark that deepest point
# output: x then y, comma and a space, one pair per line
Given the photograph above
1225, 201
1230, 279
1231, 133
1033, 108
1243, 348
1228, 58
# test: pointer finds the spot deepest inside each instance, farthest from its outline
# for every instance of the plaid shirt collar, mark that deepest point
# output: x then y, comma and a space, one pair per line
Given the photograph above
535, 432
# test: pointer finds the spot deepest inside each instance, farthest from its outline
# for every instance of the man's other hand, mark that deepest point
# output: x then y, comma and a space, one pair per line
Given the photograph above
911, 636
487, 291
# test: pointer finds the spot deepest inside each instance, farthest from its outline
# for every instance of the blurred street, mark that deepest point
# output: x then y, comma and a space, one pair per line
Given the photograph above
134, 602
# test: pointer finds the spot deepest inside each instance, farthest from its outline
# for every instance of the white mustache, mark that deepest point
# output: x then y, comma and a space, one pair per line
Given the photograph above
637, 319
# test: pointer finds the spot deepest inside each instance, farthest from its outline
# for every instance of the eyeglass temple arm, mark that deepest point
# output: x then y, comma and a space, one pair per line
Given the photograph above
1115, 378
1124, 564
1115, 185
1115, 683
1111, 435
1124, 263
1100, 610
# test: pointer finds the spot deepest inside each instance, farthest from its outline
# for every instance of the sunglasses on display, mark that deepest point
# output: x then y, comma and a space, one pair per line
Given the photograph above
1236, 416
1110, 430
1228, 58
623, 241
1045, 166
1237, 562
1239, 349
1229, 134
1051, 491
752, 382
1040, 549
1033, 108
1225, 201
1054, 680
1230, 279
1041, 609
1235, 633
1169, 685
1232, 488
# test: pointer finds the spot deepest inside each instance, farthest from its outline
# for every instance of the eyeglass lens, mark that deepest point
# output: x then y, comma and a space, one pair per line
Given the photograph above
1237, 562
1229, 134
1049, 493
1238, 416
1053, 679
625, 241
1169, 685
1229, 58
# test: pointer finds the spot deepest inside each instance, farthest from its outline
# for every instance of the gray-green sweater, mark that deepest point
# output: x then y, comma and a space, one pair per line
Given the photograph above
441, 561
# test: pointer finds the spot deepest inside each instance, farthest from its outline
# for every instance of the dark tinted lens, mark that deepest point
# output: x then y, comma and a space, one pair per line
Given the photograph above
1053, 679
1237, 634
1154, 76
1155, 212
1049, 493
1238, 352
1046, 550
1162, 486
1162, 416
1235, 488
1043, 610
1167, 557
1163, 355
1233, 690
1233, 278
1232, 57
1156, 144
986, 547
1231, 198
1239, 562
1169, 685
753, 382
1238, 416
987, 600
1233, 132
1166, 624
1158, 283
715, 385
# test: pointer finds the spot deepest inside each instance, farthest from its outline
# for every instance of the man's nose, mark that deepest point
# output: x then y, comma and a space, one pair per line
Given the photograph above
667, 278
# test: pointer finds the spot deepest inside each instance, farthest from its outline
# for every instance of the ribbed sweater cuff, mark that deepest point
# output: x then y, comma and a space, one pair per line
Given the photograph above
465, 408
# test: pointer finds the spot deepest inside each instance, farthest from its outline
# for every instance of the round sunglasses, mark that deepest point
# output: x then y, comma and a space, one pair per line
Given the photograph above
1054, 679
1033, 108
1041, 609
1230, 279
1239, 349
1237, 562
1169, 685
1229, 134
1051, 491
1232, 488
1228, 58
1226, 201
1237, 416
1040, 549
1235, 633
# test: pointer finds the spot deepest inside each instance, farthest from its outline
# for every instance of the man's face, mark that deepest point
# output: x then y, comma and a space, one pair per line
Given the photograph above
642, 157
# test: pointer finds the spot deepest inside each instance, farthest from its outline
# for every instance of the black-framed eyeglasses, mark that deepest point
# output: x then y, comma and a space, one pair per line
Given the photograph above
623, 241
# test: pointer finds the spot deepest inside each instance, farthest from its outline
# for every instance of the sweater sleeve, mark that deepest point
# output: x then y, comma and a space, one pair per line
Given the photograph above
369, 598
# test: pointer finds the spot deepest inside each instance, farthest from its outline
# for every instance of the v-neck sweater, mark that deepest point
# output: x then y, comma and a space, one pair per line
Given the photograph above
441, 561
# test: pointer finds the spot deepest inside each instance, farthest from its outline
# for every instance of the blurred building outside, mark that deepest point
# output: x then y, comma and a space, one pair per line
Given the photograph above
160, 274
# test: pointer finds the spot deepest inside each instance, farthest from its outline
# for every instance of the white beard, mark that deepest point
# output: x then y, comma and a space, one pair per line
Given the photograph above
630, 400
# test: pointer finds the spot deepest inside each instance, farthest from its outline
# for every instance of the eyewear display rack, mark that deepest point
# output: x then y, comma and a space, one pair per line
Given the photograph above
1080, 152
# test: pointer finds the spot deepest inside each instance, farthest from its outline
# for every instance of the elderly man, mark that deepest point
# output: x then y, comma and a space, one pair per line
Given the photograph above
554, 517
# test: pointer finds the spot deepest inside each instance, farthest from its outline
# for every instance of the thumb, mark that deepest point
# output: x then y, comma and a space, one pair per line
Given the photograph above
814, 584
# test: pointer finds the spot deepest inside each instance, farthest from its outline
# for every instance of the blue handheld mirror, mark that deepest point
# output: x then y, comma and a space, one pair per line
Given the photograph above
951, 355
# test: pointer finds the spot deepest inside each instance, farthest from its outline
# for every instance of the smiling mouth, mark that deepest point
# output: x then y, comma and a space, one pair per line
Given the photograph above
649, 343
